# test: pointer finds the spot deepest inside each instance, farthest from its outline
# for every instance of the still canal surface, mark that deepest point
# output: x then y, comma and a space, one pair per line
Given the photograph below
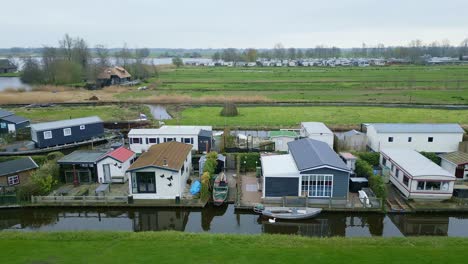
227, 220
13, 83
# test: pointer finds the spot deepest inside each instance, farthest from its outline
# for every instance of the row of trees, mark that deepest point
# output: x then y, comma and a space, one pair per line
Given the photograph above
412, 51
72, 61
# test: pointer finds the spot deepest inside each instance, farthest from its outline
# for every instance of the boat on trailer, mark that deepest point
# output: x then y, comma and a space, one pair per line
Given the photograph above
287, 213
220, 190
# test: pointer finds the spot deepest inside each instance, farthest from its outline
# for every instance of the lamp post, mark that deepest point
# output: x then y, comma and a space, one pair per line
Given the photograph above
245, 166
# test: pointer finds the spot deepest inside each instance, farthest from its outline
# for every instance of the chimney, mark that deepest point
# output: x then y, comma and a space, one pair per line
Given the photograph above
165, 162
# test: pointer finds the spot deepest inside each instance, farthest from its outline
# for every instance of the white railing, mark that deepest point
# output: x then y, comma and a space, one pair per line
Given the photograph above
82, 200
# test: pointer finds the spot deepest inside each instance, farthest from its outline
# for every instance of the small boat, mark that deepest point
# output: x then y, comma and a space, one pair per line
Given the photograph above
287, 213
220, 190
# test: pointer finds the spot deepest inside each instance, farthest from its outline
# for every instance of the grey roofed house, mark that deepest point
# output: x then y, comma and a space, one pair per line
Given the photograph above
417, 128
10, 123
14, 119
66, 123
310, 154
4, 113
6, 66
82, 157
17, 165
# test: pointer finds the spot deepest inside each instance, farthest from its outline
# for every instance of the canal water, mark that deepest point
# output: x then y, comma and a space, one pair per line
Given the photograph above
159, 112
12, 83
227, 220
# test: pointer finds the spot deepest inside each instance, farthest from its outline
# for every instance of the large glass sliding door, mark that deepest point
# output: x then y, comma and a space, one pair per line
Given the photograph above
317, 185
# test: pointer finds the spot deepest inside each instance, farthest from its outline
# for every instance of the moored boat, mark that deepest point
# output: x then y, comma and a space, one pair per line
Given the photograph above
220, 190
287, 213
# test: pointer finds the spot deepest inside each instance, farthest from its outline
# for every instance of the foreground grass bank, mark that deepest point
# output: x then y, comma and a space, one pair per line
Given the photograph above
330, 115
173, 247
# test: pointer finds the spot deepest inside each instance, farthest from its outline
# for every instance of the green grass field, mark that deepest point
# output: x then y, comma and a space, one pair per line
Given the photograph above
173, 247
331, 115
106, 113
403, 84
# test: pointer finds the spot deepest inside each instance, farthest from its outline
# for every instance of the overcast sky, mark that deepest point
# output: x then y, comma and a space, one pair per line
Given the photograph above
233, 23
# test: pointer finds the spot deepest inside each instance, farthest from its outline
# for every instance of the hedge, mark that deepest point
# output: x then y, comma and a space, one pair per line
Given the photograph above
252, 160
363, 168
373, 158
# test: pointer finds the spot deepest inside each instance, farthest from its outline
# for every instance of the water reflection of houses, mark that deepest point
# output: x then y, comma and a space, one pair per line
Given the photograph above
20, 219
159, 220
421, 225
326, 225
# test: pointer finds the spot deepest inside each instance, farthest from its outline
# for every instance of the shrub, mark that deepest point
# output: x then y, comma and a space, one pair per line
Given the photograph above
229, 109
249, 161
432, 156
363, 168
205, 192
25, 191
56, 155
373, 158
377, 184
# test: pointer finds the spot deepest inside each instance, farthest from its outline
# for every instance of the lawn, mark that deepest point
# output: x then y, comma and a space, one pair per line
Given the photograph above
174, 247
404, 84
106, 113
331, 115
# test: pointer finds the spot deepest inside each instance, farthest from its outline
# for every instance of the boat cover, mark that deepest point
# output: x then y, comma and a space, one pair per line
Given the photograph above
195, 188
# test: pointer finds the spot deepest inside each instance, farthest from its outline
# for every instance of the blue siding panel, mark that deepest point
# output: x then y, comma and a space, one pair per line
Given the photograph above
281, 186
77, 135
340, 181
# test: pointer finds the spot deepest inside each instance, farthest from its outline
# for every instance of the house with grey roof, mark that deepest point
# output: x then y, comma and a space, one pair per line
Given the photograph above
80, 166
68, 131
439, 138
310, 169
10, 123
16, 172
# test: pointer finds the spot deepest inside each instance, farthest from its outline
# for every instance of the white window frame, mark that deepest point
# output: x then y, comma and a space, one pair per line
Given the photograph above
315, 176
47, 134
13, 180
67, 132
82, 127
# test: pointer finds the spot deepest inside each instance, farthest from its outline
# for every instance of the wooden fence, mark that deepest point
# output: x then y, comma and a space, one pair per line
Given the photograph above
79, 200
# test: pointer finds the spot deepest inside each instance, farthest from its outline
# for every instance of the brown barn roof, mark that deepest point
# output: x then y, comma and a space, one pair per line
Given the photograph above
456, 157
173, 152
117, 71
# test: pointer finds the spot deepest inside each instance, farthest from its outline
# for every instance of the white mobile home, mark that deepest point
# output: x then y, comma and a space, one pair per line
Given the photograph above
420, 137
416, 176
161, 172
200, 137
318, 131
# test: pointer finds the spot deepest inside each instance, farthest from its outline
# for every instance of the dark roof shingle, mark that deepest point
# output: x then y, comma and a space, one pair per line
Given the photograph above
309, 153
17, 165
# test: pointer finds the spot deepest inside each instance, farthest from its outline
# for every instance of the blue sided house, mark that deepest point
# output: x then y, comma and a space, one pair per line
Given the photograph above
68, 131
310, 169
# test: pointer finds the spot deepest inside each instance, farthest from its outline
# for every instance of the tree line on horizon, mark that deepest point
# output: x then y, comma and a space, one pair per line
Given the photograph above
74, 62
412, 52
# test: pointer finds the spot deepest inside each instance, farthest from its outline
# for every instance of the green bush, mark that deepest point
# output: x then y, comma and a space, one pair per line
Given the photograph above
377, 184
205, 192
249, 161
25, 191
363, 168
56, 155
370, 157
432, 156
